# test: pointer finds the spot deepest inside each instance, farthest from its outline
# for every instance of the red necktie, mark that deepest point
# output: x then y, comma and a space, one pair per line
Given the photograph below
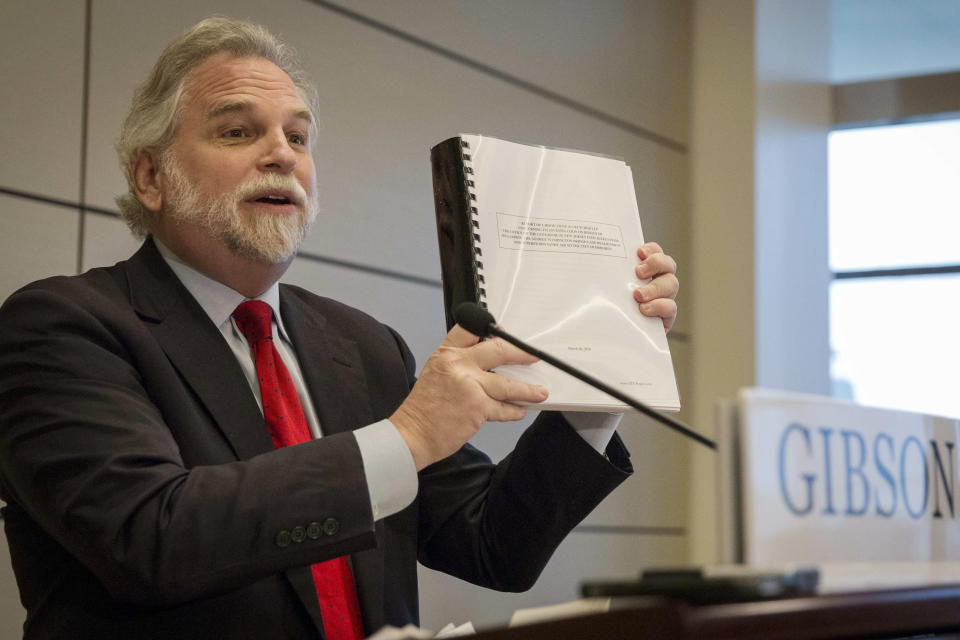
288, 426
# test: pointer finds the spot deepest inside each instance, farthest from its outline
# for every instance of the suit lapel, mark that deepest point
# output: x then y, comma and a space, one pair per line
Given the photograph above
198, 351
331, 365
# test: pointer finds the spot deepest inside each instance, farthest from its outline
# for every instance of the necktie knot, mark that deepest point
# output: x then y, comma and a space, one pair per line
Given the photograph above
253, 319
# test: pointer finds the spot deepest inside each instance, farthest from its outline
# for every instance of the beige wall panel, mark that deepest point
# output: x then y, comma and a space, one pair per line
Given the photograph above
680, 351
41, 72
373, 161
792, 123
38, 240
580, 557
106, 241
664, 204
656, 495
12, 613
384, 103
722, 233
625, 58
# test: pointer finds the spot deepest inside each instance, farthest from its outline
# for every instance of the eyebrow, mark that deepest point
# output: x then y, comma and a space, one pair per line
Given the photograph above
242, 106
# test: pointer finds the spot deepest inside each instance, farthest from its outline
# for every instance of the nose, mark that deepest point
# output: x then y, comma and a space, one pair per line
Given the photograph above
278, 156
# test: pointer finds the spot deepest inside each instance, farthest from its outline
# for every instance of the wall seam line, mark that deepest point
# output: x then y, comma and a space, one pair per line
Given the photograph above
314, 257
508, 78
84, 132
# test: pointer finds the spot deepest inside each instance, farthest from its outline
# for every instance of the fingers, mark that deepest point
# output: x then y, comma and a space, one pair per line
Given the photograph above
505, 412
664, 286
490, 354
504, 389
663, 308
459, 337
656, 297
648, 249
654, 264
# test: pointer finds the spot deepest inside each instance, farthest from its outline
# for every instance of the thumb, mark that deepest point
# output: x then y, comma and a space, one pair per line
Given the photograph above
459, 337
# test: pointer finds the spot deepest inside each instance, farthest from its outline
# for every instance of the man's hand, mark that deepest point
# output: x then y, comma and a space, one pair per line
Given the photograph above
456, 393
657, 297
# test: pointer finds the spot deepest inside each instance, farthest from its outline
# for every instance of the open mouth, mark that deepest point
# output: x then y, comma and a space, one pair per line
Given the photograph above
282, 200
274, 199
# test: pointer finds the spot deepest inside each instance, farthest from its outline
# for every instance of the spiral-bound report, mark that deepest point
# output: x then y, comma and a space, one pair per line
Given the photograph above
546, 239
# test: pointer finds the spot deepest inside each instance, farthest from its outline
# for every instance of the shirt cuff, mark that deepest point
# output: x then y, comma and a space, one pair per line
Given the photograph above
596, 428
389, 468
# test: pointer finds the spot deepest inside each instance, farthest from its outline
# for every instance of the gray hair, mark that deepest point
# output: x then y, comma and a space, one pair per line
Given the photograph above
151, 121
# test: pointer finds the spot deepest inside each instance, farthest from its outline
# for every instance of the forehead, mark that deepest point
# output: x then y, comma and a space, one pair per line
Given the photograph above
223, 78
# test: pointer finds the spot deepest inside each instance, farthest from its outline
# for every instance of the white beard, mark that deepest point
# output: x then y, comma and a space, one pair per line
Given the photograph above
265, 238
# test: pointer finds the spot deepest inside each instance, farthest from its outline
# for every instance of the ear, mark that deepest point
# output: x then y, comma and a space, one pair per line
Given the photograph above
145, 171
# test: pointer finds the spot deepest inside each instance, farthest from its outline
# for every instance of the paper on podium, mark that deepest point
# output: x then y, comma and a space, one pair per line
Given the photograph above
411, 632
408, 632
582, 607
843, 577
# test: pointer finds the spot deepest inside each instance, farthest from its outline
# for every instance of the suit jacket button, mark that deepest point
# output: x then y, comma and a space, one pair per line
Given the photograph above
331, 526
283, 538
314, 530
298, 534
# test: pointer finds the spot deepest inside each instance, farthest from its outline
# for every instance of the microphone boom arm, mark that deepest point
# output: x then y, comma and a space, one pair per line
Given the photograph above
585, 377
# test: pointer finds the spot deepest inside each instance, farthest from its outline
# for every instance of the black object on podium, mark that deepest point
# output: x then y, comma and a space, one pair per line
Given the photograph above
928, 612
696, 587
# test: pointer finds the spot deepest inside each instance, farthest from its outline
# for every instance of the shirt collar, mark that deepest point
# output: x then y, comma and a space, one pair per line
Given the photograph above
217, 299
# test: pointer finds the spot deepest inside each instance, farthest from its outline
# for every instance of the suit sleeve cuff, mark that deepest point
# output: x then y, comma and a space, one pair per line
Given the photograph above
596, 428
388, 467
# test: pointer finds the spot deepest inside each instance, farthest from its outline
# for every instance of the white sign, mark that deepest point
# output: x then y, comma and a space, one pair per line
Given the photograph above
829, 481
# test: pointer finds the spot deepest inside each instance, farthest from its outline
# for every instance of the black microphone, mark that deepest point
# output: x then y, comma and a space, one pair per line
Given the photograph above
480, 322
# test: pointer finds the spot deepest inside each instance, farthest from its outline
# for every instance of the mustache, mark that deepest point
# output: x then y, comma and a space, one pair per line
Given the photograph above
272, 182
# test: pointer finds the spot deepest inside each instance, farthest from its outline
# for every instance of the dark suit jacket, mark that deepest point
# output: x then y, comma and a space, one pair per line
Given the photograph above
145, 498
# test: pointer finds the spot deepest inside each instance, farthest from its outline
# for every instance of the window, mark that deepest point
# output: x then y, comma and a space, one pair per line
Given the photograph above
895, 258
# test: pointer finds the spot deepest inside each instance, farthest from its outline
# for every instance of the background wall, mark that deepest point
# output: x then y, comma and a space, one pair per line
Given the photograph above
395, 78
760, 120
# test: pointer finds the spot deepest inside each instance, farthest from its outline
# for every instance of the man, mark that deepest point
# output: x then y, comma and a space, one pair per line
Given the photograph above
173, 470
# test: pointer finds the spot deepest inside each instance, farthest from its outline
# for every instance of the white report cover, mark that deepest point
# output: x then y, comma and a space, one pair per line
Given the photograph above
557, 233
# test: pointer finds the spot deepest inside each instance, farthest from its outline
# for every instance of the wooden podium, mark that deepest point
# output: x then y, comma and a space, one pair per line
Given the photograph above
898, 613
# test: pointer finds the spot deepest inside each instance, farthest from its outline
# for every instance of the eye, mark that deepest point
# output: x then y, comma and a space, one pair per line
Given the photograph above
297, 138
236, 132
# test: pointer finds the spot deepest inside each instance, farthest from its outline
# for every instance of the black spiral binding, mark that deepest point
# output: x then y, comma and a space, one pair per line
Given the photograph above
478, 281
